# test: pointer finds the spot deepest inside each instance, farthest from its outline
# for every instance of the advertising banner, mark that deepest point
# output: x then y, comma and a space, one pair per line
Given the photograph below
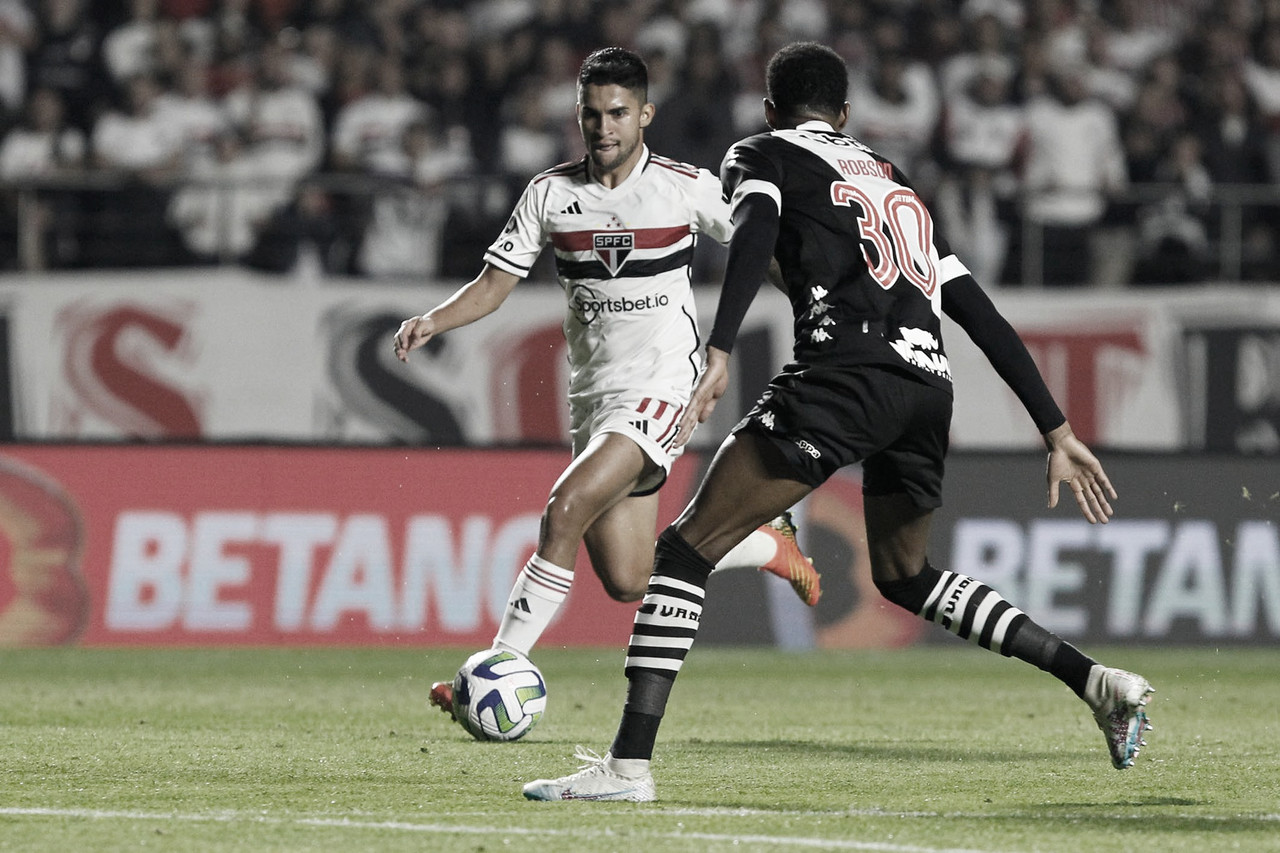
278, 545
235, 545
233, 356
1192, 556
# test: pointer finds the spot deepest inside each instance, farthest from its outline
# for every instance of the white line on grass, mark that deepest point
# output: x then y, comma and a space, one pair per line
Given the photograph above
732, 811
463, 829
343, 822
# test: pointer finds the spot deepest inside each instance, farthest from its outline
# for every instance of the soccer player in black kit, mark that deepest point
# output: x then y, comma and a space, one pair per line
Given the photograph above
868, 278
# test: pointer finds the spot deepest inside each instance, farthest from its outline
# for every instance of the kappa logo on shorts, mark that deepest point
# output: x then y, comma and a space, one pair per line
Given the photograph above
808, 448
612, 248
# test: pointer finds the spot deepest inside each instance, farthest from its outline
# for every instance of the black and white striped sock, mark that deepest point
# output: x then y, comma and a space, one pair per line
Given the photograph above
970, 609
662, 633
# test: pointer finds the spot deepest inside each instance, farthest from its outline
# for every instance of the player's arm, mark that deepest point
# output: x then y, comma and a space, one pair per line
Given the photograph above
755, 220
1070, 461
477, 298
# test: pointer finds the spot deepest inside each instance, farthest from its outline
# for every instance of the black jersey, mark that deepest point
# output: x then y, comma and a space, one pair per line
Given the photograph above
861, 260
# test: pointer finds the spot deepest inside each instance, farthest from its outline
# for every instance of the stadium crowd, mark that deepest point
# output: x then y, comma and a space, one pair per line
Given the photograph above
364, 138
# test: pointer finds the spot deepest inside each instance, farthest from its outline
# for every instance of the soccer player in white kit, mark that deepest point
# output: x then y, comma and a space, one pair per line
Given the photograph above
623, 223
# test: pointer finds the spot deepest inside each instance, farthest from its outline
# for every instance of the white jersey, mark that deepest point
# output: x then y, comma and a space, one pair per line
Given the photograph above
622, 256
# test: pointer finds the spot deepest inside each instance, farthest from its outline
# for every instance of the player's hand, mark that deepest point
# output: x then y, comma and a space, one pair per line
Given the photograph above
710, 388
1072, 463
413, 333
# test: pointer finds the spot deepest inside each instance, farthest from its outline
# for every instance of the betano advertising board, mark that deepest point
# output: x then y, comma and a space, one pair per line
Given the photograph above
232, 545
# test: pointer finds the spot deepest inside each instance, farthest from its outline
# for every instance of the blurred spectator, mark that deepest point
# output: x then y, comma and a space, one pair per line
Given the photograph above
1262, 76
529, 142
1235, 152
280, 122
190, 109
1061, 25
131, 48
67, 59
1234, 137
696, 124
465, 106
17, 36
1131, 39
138, 139
143, 148
407, 229
43, 146
1011, 13
895, 112
1114, 86
369, 130
1074, 163
989, 54
1173, 236
315, 65
977, 201
221, 207
301, 239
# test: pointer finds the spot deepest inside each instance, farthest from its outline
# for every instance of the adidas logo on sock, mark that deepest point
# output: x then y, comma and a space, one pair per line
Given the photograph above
521, 604
573, 208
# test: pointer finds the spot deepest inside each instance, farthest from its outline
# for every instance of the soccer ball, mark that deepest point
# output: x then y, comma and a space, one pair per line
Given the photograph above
498, 695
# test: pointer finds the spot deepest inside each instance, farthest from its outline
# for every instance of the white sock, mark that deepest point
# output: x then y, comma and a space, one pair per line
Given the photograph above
627, 768
751, 553
535, 599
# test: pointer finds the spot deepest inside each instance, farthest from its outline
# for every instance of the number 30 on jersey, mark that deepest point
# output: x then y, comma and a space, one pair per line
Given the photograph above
903, 249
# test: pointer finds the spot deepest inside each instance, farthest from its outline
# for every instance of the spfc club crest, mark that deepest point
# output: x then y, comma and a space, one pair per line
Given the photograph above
612, 248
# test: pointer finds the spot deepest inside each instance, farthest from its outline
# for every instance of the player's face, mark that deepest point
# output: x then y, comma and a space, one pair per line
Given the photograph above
612, 121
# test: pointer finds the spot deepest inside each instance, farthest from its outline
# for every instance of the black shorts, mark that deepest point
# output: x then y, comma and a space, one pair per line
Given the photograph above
823, 418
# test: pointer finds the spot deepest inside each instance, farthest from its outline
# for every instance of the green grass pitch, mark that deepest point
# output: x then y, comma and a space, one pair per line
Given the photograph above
931, 749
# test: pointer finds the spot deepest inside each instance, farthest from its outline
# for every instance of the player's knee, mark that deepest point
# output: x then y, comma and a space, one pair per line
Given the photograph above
625, 584
565, 516
909, 591
624, 591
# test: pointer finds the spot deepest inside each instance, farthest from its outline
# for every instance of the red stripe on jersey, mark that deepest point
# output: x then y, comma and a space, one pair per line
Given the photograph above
645, 238
562, 169
675, 166
644, 404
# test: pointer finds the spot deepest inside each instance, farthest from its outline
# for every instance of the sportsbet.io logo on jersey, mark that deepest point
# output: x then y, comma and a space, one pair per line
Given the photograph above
588, 304
612, 248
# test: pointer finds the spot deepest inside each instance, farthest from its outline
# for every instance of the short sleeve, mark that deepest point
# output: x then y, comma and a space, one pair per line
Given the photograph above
711, 211
521, 241
747, 169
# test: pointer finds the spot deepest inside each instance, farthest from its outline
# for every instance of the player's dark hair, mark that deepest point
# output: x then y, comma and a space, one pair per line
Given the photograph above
616, 66
806, 76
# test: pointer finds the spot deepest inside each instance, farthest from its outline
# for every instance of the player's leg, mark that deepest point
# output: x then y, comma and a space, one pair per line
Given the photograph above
621, 550
897, 538
620, 545
597, 480
772, 548
741, 490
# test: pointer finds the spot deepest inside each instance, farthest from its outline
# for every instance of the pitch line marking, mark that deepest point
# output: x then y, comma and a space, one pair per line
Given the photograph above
405, 826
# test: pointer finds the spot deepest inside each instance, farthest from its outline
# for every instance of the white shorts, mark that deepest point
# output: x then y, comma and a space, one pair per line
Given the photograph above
651, 423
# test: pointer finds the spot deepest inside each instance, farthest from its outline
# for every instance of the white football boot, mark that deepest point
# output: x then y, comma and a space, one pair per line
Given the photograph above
597, 780
1118, 699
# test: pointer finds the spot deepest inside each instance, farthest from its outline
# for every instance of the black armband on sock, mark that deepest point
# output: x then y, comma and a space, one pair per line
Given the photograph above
676, 558
912, 593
